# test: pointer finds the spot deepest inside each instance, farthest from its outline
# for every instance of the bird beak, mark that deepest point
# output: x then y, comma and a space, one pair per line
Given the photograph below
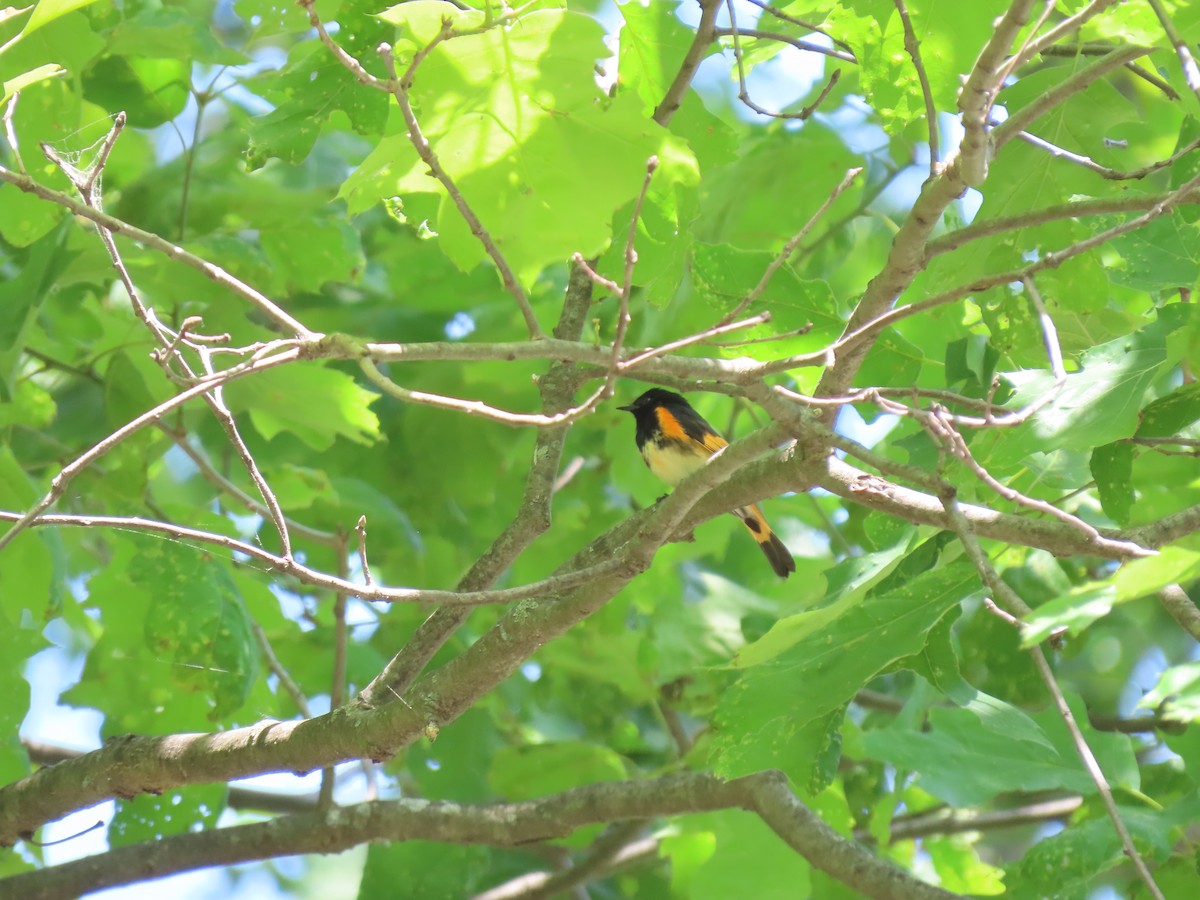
627, 409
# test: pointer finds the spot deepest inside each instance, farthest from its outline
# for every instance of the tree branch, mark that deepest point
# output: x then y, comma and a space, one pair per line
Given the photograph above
213, 272
501, 824
705, 35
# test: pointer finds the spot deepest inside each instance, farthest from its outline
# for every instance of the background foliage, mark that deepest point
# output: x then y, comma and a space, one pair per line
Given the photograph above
900, 709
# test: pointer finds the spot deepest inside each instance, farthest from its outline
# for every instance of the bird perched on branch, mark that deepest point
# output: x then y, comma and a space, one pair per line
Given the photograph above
675, 441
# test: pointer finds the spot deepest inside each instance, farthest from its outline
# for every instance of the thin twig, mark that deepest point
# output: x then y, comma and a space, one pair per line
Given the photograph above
790, 247
913, 47
1075, 209
58, 484
172, 251
1191, 74
425, 150
957, 821
705, 35
700, 337
216, 402
785, 17
88, 185
1105, 171
210, 474
478, 407
1067, 26
1181, 608
744, 91
337, 687
1025, 116
623, 317
1050, 260
798, 43
361, 530
548, 586
10, 133
1094, 771
277, 669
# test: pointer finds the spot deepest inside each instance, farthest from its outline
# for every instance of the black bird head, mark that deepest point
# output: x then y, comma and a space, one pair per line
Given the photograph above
652, 398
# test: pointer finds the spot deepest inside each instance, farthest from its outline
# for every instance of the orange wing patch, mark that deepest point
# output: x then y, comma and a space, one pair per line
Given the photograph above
671, 427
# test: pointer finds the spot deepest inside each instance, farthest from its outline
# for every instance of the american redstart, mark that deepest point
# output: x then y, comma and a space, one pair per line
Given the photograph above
675, 441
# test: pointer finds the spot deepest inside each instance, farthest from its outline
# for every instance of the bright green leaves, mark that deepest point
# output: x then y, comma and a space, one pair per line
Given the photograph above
723, 276
271, 399
1079, 606
733, 854
949, 35
151, 92
1177, 694
151, 29
313, 87
25, 79
1112, 467
1163, 256
826, 665
32, 569
516, 119
437, 871
313, 253
523, 773
1067, 864
1099, 403
965, 763
43, 13
176, 651
150, 817
653, 44
739, 208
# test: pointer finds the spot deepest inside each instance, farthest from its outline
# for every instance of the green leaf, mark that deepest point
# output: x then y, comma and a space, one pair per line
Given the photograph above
653, 45
33, 76
1176, 563
835, 660
32, 568
44, 12
749, 860
846, 585
176, 647
18, 642
964, 763
1100, 403
1083, 604
1074, 611
436, 871
310, 90
283, 400
538, 770
540, 133
1169, 415
170, 31
960, 869
938, 663
311, 254
1161, 256
1112, 467
180, 810
1177, 694
420, 21
151, 92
